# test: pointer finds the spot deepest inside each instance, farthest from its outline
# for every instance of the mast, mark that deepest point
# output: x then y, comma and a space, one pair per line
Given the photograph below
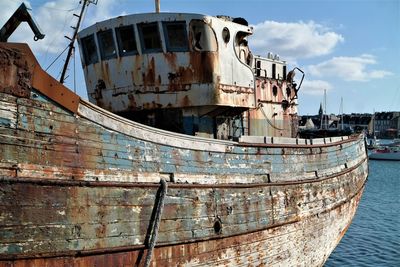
157, 3
326, 122
72, 40
373, 125
341, 112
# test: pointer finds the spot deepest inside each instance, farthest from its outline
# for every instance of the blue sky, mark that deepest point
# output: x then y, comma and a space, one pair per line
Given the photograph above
350, 48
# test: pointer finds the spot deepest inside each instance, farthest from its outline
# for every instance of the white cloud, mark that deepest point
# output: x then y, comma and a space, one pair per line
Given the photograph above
8, 8
104, 9
348, 68
294, 40
315, 87
379, 74
55, 19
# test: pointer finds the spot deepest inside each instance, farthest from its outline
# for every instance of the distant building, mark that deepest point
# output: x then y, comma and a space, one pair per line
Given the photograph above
384, 124
320, 111
387, 124
310, 124
358, 122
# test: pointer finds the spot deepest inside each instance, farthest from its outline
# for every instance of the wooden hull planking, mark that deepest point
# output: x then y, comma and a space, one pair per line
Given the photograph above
79, 184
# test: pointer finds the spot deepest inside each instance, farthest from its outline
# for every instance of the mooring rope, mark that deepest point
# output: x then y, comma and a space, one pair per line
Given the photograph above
260, 106
156, 222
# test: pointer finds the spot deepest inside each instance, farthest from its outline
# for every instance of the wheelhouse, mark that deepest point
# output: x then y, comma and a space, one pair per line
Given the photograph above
187, 73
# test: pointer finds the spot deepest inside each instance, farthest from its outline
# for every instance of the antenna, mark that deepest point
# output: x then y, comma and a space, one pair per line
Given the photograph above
72, 40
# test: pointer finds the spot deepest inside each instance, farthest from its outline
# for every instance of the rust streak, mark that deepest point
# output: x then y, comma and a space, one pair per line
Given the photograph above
40, 80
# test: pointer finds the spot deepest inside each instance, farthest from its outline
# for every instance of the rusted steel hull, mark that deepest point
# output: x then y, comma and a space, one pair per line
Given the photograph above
79, 186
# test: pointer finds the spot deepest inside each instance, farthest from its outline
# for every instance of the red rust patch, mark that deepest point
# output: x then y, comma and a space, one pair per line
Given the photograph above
15, 75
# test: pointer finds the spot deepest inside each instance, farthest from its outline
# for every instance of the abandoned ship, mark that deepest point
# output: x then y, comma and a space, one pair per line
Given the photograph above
186, 154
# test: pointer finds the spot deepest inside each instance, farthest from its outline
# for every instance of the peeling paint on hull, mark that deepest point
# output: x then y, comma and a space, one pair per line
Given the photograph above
307, 243
78, 187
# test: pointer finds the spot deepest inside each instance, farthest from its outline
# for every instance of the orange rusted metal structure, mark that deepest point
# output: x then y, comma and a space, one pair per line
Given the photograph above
80, 185
188, 73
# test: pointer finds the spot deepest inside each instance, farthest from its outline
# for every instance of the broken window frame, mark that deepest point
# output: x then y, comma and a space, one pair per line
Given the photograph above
104, 54
169, 46
121, 37
242, 49
207, 37
84, 43
145, 50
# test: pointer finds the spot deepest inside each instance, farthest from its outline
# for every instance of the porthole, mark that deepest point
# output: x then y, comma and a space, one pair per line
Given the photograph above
226, 36
275, 90
285, 104
288, 91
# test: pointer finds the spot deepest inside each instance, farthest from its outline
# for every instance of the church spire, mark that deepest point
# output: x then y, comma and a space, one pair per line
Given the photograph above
320, 112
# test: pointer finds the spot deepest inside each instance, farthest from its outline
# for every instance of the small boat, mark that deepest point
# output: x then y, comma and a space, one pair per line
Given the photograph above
373, 143
186, 154
389, 152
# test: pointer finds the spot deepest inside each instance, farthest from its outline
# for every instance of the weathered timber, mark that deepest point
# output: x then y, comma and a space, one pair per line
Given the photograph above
78, 187
303, 242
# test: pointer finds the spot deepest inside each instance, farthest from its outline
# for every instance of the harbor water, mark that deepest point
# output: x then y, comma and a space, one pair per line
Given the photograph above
373, 239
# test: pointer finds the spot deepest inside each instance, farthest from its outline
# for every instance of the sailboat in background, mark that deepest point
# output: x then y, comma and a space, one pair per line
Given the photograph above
387, 152
325, 128
373, 143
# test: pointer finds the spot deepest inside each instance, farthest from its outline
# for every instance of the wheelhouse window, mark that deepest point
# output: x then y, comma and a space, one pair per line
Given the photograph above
150, 37
126, 40
89, 49
106, 44
176, 36
203, 37
242, 49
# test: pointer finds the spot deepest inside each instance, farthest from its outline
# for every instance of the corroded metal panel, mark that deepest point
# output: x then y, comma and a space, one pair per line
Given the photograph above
20, 71
224, 76
276, 113
150, 85
196, 77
